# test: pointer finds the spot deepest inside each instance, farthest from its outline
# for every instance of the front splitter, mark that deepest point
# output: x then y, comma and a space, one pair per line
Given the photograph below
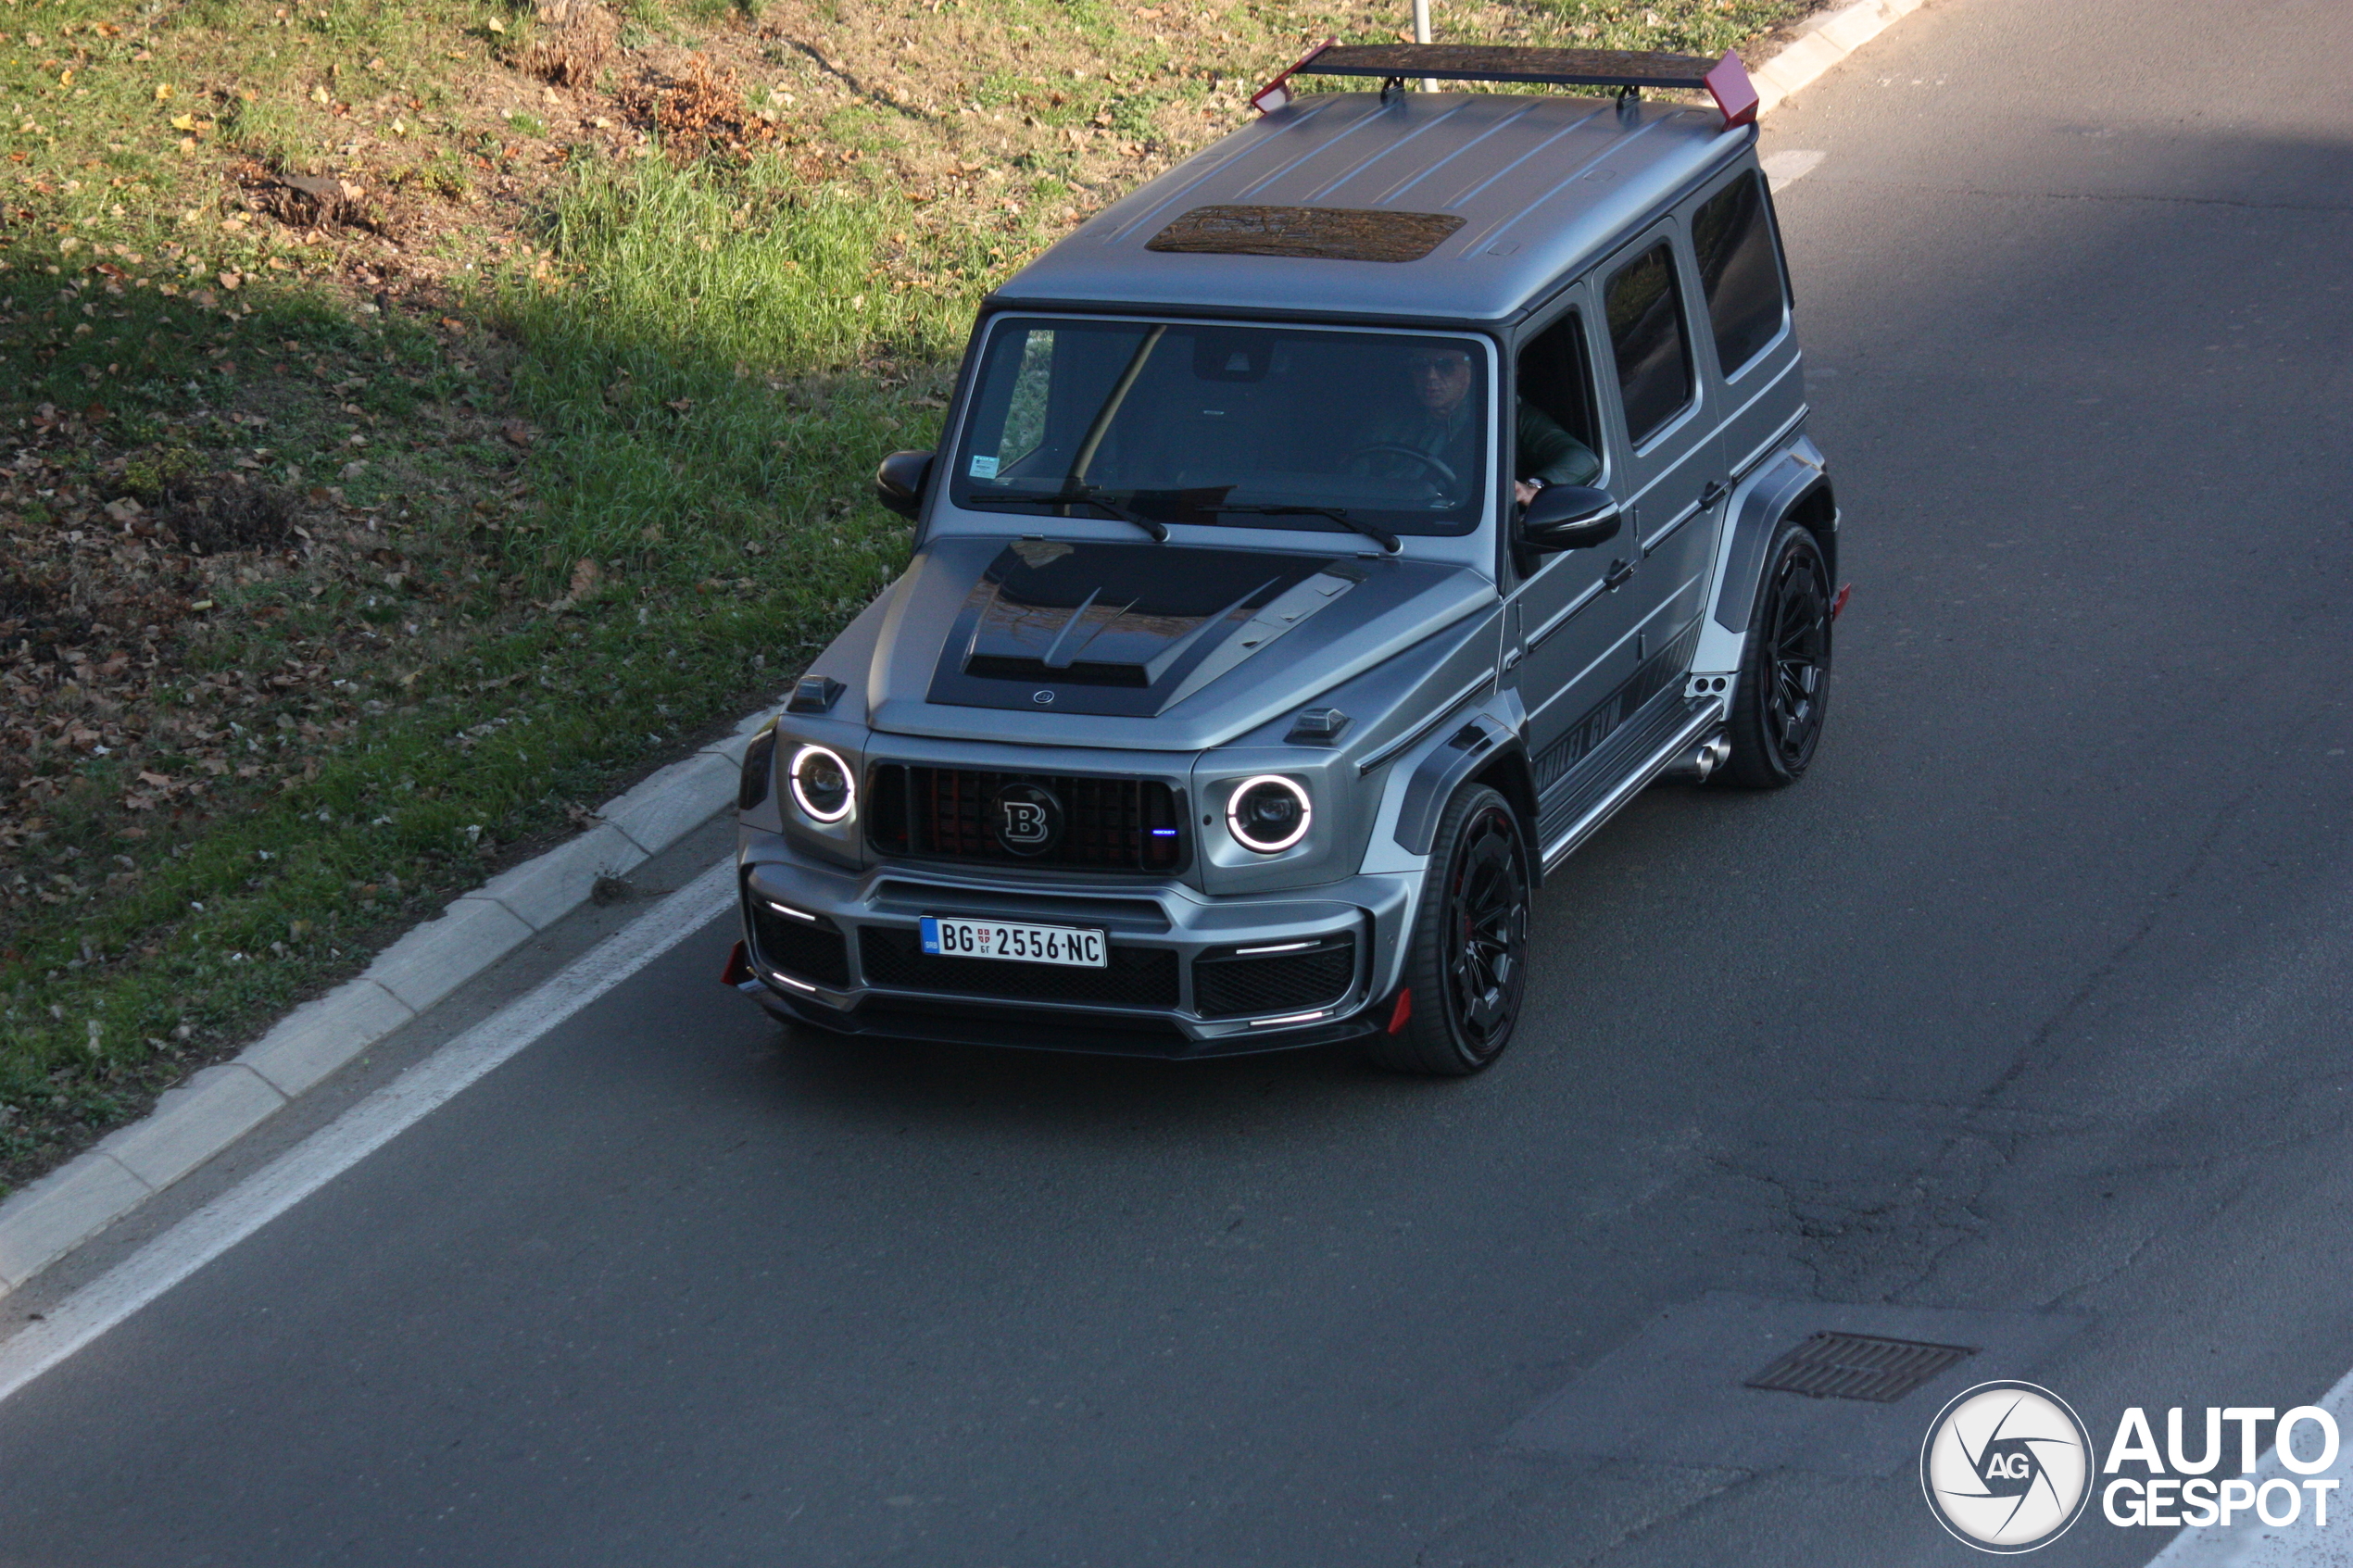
968, 1023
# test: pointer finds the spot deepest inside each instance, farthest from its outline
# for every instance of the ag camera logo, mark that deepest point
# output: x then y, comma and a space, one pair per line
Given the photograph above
2007, 1467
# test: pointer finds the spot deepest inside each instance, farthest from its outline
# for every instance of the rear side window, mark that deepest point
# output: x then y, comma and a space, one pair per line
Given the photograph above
1740, 269
1646, 330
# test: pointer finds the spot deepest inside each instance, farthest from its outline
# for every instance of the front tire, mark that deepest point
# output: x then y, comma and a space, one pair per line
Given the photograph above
1468, 966
1785, 670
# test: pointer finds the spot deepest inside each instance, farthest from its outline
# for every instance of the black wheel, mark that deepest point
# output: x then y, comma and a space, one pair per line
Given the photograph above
1468, 963
1785, 670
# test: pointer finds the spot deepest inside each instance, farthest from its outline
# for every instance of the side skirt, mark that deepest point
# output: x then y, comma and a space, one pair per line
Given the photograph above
1577, 752
1634, 733
1632, 758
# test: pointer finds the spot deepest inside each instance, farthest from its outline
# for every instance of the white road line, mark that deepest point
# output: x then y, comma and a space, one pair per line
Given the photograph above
358, 1133
2249, 1543
1787, 167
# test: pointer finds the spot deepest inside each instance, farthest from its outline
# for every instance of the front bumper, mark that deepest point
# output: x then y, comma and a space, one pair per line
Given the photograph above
840, 950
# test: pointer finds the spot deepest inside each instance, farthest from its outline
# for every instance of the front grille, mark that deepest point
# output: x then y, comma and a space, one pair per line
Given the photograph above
1241, 983
1111, 824
807, 950
1138, 977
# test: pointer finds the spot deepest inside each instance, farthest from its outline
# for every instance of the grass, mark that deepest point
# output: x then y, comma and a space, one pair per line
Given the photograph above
350, 551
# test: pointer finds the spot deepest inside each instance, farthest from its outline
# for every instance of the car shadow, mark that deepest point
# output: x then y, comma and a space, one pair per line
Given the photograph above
860, 1075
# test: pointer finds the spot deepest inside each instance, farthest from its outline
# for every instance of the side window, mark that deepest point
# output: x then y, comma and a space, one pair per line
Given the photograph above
1740, 269
1645, 308
1557, 439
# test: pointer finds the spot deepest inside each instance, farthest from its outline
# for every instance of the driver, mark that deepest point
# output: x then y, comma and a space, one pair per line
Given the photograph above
1442, 420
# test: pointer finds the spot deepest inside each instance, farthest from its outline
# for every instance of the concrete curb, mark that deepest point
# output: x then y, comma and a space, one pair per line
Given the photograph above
1832, 37
219, 1105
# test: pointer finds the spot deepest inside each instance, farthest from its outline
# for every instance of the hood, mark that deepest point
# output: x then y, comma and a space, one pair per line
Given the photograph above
1130, 630
1089, 641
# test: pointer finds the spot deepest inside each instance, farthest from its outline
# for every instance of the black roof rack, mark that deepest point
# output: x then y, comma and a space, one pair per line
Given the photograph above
1628, 70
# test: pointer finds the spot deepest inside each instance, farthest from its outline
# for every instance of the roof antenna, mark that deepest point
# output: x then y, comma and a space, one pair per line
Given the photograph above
1629, 102
1392, 88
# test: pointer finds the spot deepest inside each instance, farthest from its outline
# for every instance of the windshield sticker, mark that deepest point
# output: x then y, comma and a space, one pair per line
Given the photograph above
984, 468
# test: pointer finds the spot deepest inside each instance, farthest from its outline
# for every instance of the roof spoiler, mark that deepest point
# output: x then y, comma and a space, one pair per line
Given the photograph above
1629, 71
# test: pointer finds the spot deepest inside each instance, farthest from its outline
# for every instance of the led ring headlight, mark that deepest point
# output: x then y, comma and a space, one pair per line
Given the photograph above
821, 786
1268, 813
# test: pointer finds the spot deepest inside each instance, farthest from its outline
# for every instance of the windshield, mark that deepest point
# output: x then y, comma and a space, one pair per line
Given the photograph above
1198, 422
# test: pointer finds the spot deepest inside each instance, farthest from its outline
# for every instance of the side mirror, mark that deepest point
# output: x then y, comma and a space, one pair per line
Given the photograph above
1569, 517
898, 483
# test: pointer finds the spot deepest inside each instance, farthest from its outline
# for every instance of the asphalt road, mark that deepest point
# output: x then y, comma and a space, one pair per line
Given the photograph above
2029, 1005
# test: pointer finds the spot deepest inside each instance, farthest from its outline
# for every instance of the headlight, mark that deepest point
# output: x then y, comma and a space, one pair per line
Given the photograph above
821, 783
760, 761
1268, 813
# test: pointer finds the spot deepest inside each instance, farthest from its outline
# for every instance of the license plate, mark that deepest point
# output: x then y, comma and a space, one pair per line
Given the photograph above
1072, 946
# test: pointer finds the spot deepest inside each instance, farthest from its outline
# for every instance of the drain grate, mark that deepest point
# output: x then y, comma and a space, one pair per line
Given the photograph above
1857, 1366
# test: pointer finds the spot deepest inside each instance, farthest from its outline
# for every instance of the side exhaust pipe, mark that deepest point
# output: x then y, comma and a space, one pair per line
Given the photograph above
1695, 765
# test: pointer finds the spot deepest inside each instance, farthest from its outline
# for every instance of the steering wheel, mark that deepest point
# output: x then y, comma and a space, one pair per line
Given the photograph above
1399, 449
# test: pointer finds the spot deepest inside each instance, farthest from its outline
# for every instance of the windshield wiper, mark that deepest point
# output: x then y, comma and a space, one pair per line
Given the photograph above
1086, 494
1380, 536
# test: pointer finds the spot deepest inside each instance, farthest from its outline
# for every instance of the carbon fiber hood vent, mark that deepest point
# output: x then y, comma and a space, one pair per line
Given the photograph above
1123, 629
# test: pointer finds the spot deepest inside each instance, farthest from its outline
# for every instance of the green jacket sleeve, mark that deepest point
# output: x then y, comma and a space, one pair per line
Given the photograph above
1550, 453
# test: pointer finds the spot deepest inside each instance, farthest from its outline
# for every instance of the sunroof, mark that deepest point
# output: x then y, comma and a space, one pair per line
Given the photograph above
1322, 234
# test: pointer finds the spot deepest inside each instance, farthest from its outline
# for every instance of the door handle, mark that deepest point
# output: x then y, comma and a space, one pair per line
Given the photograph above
1716, 490
1619, 571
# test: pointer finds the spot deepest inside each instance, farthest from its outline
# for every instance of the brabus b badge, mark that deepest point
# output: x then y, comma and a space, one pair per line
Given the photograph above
1028, 819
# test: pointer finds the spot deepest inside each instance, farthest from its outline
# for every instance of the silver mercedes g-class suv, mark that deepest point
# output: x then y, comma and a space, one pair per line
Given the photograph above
1325, 541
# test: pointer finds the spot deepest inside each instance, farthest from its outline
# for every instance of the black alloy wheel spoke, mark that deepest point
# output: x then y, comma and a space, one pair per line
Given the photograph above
1800, 624
1489, 917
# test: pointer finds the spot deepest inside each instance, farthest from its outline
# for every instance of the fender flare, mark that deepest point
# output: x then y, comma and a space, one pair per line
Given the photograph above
1782, 488
1477, 746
